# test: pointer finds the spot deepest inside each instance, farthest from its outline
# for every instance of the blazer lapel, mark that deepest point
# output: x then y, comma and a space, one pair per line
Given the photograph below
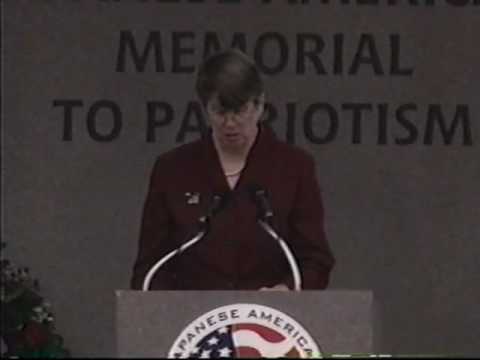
212, 167
259, 166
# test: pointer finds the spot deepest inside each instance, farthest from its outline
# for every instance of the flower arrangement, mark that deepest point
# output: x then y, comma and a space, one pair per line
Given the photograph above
27, 323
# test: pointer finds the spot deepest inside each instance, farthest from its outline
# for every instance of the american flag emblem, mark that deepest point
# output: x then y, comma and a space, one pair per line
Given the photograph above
192, 198
245, 341
244, 331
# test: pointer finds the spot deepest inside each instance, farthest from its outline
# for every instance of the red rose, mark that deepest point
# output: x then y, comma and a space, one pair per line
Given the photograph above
35, 334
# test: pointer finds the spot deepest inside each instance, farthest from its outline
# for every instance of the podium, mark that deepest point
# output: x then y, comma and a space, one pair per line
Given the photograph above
207, 324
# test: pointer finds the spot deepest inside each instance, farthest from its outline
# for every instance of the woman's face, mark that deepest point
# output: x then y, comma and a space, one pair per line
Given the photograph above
234, 130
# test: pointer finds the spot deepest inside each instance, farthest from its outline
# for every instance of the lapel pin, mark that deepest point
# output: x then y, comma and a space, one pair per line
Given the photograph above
193, 198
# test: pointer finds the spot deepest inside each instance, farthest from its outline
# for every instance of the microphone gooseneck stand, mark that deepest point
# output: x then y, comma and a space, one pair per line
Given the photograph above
204, 224
264, 218
297, 280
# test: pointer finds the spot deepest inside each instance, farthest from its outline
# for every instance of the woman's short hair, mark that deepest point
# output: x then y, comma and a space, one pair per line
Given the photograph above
232, 77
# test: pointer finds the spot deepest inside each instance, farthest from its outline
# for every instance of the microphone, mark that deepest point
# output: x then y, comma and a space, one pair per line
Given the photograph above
259, 196
217, 204
265, 219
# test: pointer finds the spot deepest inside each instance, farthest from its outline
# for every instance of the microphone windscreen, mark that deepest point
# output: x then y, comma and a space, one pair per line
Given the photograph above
259, 196
219, 202
253, 191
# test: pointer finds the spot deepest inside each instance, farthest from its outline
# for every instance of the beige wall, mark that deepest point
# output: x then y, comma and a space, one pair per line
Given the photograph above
385, 97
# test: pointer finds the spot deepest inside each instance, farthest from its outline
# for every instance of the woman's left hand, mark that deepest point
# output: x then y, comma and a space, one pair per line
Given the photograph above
278, 287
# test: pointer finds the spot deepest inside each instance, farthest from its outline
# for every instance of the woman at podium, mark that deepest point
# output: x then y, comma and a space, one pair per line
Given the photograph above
239, 171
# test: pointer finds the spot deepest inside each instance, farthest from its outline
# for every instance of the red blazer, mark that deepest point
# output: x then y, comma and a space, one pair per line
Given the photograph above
236, 253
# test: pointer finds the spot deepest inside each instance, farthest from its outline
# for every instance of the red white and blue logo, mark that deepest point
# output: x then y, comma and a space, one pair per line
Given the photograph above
244, 331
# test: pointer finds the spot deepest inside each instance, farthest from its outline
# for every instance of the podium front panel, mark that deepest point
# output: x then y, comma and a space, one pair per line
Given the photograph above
339, 322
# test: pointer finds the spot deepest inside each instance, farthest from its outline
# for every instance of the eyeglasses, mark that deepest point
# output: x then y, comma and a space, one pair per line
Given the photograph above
239, 114
243, 110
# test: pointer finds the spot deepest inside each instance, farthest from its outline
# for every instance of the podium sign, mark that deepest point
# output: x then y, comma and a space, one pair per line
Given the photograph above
208, 324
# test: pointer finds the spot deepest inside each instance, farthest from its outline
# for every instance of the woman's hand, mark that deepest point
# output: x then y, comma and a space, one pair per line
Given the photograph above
278, 287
